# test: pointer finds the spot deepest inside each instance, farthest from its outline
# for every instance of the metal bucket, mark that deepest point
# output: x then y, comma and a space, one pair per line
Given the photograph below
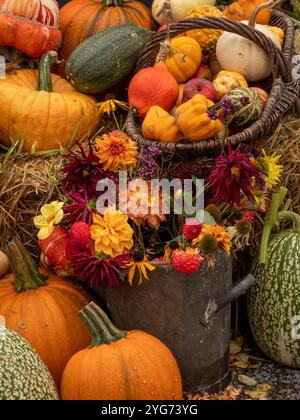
190, 314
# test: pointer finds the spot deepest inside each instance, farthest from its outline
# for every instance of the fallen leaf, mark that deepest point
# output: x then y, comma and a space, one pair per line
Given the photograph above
255, 366
246, 380
230, 393
243, 357
234, 348
264, 387
257, 395
240, 364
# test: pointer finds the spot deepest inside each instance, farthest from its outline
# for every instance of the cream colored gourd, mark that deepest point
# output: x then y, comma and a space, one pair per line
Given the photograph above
238, 54
167, 11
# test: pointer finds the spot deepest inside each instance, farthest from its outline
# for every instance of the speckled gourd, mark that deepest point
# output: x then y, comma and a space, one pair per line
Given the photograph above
23, 375
274, 301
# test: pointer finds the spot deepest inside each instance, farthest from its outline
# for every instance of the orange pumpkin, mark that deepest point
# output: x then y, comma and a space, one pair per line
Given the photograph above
153, 86
243, 9
120, 365
42, 308
80, 19
43, 110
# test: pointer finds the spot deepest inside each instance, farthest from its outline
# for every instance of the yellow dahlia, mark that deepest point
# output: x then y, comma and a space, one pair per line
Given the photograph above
219, 233
112, 233
110, 105
116, 151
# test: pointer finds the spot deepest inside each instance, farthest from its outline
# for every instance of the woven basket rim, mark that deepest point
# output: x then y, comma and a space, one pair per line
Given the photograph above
283, 95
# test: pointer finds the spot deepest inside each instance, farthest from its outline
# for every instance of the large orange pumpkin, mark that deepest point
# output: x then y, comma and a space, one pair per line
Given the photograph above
43, 110
80, 19
120, 365
42, 308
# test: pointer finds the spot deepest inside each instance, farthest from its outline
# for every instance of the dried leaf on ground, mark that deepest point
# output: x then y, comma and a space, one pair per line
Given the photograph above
231, 393
246, 380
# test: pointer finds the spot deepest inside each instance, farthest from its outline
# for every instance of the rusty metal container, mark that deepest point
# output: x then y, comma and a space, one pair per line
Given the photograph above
190, 314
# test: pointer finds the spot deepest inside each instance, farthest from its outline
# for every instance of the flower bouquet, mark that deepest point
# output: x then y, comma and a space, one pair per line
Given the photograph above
129, 209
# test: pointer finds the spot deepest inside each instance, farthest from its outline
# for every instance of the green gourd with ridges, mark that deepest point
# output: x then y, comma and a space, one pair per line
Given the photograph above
23, 375
106, 58
274, 301
248, 107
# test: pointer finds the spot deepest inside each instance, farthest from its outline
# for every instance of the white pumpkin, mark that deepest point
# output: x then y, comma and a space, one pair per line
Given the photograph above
168, 11
236, 53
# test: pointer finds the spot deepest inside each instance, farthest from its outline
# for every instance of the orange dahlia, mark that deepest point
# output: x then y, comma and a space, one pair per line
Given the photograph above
116, 151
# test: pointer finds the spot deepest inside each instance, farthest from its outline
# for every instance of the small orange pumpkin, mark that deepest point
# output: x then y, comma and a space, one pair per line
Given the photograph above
42, 308
184, 58
120, 365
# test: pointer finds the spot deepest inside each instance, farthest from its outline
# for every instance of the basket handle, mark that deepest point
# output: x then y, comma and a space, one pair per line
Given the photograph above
280, 63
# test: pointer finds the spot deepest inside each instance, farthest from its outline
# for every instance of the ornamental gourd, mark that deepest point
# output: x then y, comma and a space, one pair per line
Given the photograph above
238, 54
243, 10
43, 110
4, 264
206, 38
106, 59
42, 11
120, 365
168, 11
274, 300
160, 125
238, 76
194, 121
184, 58
23, 376
80, 19
248, 106
30, 37
42, 308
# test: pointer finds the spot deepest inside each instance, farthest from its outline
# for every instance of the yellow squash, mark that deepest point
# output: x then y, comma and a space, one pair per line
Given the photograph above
161, 126
194, 121
184, 58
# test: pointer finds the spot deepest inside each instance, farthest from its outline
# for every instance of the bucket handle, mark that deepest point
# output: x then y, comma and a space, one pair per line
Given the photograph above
215, 305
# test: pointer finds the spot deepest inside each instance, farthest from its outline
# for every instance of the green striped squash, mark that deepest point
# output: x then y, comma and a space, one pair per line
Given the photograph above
245, 113
23, 375
106, 58
274, 301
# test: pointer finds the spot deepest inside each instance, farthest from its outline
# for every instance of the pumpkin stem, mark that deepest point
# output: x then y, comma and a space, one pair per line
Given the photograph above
99, 325
271, 220
27, 276
45, 82
112, 2
259, 8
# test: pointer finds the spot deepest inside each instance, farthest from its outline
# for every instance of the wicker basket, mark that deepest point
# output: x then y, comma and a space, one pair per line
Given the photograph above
283, 96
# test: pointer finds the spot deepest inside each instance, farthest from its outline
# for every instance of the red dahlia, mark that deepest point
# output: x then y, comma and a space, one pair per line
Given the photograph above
188, 261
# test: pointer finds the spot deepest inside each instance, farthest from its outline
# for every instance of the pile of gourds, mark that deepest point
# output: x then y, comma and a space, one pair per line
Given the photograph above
98, 45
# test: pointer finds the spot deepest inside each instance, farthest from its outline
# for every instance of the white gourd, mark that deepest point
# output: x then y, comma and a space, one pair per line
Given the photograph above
236, 53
